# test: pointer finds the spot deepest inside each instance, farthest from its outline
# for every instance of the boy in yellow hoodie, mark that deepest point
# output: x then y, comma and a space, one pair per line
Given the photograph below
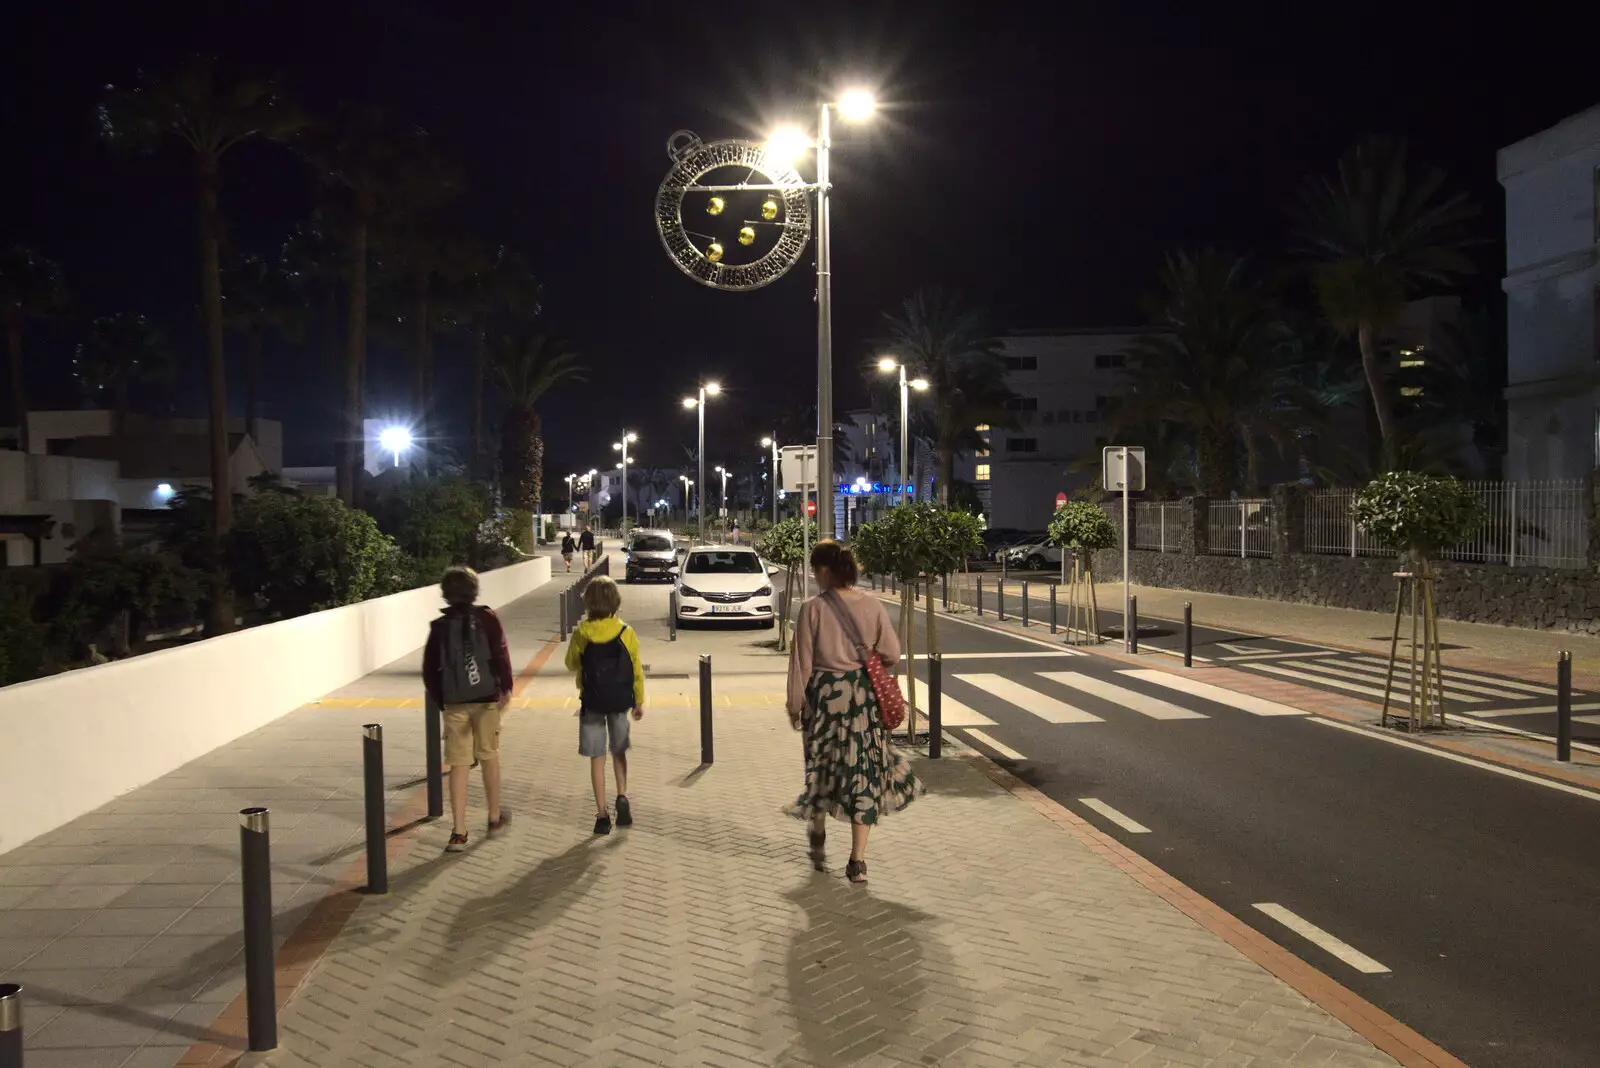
604, 654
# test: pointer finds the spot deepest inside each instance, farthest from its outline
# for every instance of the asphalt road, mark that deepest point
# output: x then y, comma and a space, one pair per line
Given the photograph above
1461, 900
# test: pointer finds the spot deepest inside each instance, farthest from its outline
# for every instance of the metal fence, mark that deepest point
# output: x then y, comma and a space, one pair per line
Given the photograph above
1240, 528
1156, 525
1329, 528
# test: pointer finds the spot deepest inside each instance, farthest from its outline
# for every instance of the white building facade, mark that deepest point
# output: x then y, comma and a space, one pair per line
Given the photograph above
1552, 286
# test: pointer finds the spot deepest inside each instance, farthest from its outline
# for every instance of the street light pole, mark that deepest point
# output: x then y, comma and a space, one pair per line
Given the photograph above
824, 329
905, 406
628, 436
700, 452
772, 475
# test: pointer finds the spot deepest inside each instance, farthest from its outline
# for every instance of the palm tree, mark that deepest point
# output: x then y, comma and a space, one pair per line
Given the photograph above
491, 293
30, 288
261, 297
942, 340
1213, 364
122, 350
210, 116
527, 366
1378, 233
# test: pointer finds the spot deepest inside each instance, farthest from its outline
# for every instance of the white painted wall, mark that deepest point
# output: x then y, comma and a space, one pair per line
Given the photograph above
72, 742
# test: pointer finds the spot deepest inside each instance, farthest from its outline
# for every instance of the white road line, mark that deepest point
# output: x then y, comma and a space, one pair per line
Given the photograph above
1256, 706
1129, 825
1353, 687
1403, 671
1000, 748
1178, 653
1248, 650
1045, 707
1503, 728
1312, 933
998, 656
1514, 684
1274, 656
1442, 754
952, 713
1015, 636
1531, 709
1153, 707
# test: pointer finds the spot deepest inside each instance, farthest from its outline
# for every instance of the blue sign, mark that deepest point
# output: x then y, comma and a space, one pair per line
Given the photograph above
856, 489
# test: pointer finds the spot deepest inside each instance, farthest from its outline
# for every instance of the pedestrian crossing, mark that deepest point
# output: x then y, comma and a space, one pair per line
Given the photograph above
1367, 676
1041, 699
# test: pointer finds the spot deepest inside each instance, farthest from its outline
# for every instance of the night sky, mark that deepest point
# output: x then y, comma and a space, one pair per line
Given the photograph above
1039, 163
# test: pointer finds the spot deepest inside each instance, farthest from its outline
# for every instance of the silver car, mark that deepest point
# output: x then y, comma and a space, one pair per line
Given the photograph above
650, 554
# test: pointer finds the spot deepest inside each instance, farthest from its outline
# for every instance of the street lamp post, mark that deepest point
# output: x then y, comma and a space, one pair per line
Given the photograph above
699, 401
688, 483
628, 437
772, 475
570, 480
888, 364
723, 506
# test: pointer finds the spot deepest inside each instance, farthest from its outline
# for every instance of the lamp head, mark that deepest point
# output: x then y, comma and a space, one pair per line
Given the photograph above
766, 442
615, 445
857, 105
918, 383
888, 363
395, 438
689, 402
631, 436
712, 389
787, 144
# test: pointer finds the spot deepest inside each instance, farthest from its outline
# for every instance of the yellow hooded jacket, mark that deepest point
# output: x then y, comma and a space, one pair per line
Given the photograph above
604, 630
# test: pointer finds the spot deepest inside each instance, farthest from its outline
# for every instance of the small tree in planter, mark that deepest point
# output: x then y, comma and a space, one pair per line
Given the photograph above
784, 544
1417, 516
916, 543
1081, 529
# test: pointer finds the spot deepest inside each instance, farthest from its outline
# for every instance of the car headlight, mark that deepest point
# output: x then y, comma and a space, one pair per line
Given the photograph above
765, 591
685, 591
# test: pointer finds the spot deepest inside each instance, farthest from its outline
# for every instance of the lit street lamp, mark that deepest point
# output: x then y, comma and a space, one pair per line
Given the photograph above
699, 401
628, 437
772, 475
687, 484
889, 364
723, 471
395, 439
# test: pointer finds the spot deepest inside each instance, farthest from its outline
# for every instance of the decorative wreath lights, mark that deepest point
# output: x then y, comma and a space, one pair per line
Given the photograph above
730, 213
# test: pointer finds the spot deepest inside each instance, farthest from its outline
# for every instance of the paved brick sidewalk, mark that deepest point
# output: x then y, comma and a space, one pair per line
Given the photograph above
989, 935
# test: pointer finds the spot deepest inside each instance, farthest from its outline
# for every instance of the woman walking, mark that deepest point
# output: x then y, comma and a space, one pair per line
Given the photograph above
853, 771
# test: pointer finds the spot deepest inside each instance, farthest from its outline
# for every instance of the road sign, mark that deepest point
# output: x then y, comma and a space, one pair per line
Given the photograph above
1122, 468
795, 462
811, 508
1061, 499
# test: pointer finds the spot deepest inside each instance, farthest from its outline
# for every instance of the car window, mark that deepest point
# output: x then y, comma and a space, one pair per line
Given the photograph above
651, 543
712, 563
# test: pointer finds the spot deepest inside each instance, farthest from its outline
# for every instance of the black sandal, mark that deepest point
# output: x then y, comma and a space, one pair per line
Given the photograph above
818, 854
856, 871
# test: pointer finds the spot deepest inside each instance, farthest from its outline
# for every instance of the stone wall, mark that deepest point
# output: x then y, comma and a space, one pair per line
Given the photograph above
1541, 598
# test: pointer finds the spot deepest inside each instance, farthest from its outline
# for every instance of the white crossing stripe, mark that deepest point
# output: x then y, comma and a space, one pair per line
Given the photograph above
1528, 710
1153, 707
1177, 653
952, 713
997, 656
1312, 933
1129, 825
1256, 706
1402, 670
1046, 708
1000, 748
1513, 684
1247, 649
1400, 685
1275, 656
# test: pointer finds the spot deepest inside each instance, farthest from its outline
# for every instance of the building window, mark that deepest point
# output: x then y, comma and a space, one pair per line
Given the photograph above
1413, 357
982, 428
1022, 444
1022, 404
981, 474
981, 453
1022, 363
1410, 391
1108, 361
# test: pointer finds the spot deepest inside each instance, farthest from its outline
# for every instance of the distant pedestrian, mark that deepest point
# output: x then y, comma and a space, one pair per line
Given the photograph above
604, 652
568, 547
736, 532
853, 771
466, 667
586, 543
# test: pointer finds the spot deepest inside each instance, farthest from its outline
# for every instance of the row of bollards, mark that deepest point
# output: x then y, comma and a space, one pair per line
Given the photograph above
672, 614
707, 747
1564, 706
935, 706
1130, 626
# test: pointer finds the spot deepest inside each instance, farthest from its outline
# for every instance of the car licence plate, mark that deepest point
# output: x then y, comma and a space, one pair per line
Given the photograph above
726, 608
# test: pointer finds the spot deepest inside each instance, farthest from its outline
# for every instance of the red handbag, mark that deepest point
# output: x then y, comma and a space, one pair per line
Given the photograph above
891, 702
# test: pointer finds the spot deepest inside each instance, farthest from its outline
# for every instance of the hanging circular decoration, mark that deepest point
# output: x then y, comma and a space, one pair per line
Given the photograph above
752, 213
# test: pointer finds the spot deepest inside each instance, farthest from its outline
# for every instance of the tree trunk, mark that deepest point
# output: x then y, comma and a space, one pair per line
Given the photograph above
908, 613
355, 358
947, 473
19, 388
423, 355
1252, 459
210, 221
1381, 406
252, 386
933, 635
480, 360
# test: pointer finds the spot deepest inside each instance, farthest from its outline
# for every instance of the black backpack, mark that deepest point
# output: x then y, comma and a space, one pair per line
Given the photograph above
607, 677
467, 665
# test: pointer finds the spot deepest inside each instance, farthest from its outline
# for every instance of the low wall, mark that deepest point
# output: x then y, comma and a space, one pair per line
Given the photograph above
71, 742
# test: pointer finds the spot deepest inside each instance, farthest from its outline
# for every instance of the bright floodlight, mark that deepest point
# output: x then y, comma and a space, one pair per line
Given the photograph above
615, 445
632, 436
857, 105
592, 472
689, 402
713, 389
888, 363
918, 383
766, 442
395, 439
787, 144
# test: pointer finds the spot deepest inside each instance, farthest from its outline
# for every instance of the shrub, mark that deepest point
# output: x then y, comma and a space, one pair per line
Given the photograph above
25, 651
917, 539
104, 581
304, 554
1081, 527
1416, 513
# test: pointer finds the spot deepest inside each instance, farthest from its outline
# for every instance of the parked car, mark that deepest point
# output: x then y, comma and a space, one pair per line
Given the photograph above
1023, 537
995, 539
1035, 555
725, 582
649, 553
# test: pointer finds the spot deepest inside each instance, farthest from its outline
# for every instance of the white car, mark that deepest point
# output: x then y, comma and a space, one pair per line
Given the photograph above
725, 582
1034, 555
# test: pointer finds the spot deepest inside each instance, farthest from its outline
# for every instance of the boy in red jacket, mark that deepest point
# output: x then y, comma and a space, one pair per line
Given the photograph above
466, 668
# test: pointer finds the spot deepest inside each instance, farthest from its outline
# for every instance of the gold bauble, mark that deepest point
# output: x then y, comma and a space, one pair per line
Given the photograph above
747, 236
715, 205
714, 253
769, 209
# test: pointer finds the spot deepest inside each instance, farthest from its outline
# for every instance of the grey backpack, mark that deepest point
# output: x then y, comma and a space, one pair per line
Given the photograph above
467, 665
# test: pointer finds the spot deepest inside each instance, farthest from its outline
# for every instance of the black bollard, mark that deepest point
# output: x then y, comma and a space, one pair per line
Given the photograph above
672, 615
935, 706
1131, 624
433, 745
944, 591
1188, 634
1000, 599
1026, 622
706, 747
377, 829
563, 599
260, 980
1564, 706
10, 1025
980, 596
1052, 608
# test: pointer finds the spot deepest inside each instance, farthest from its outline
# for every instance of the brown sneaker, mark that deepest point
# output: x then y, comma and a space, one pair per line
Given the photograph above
496, 826
457, 843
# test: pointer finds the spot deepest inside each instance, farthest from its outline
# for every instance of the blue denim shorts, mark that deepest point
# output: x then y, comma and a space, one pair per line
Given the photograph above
592, 731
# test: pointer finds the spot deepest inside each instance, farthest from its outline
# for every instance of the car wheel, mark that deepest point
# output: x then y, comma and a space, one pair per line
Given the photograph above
769, 624
1036, 562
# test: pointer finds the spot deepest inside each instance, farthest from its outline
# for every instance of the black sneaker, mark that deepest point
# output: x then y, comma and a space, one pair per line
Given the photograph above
624, 812
602, 825
496, 826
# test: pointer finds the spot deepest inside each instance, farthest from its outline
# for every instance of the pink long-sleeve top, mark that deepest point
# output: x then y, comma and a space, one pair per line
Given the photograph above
821, 642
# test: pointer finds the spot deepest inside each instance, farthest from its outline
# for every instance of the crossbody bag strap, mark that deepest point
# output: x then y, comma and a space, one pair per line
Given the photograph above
848, 623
